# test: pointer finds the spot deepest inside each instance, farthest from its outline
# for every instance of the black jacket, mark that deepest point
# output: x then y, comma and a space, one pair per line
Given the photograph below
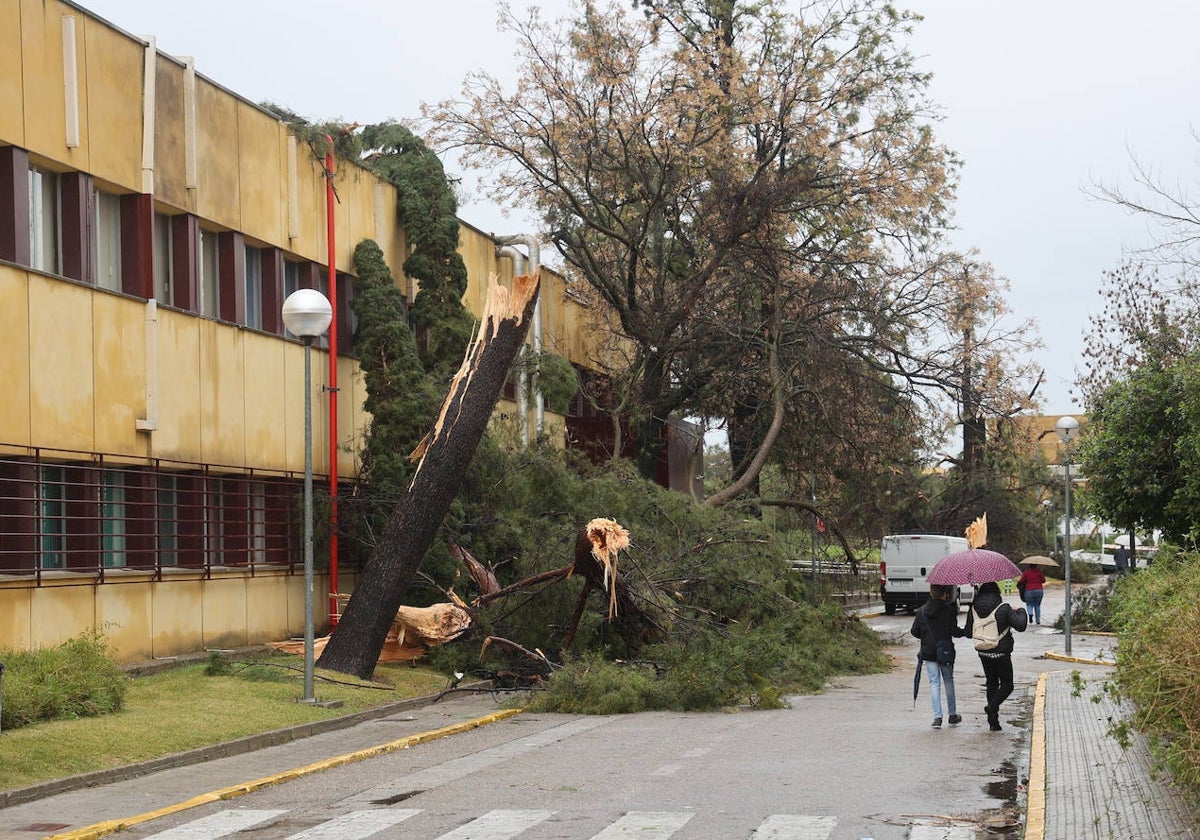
1007, 618
943, 621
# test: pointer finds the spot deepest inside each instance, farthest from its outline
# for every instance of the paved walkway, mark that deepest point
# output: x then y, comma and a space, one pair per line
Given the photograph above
1092, 787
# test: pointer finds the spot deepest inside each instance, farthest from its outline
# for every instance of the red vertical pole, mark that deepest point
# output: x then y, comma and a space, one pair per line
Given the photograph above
333, 387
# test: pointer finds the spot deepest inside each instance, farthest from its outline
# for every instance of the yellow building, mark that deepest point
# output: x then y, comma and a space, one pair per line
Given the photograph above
151, 436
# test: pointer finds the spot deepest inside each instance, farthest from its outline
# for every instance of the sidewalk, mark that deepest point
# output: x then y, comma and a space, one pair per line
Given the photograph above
1082, 783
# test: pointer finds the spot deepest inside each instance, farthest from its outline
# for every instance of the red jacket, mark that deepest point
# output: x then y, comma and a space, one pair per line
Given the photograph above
1033, 577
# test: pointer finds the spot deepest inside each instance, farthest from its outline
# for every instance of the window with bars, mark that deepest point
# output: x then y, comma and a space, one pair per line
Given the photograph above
93, 516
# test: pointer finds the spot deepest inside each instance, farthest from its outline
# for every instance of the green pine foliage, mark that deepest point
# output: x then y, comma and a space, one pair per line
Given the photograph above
732, 623
76, 679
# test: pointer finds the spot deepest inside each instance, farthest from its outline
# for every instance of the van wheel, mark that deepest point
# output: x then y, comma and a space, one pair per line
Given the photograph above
889, 609
957, 606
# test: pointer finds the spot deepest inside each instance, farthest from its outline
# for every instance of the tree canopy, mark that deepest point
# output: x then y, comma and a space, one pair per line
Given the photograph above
757, 197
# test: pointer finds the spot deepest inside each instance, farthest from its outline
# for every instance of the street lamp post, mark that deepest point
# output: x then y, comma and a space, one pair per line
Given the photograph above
306, 314
1068, 430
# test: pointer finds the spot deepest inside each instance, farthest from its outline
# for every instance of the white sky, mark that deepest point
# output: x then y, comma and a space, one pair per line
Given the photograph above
1040, 98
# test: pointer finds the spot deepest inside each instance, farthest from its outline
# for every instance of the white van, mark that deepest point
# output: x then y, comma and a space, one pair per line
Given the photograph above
904, 564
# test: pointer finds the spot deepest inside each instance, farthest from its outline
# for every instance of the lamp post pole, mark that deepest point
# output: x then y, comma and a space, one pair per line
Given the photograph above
1068, 429
308, 524
1067, 555
306, 314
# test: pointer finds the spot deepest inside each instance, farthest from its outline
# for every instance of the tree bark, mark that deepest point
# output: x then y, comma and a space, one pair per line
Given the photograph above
444, 455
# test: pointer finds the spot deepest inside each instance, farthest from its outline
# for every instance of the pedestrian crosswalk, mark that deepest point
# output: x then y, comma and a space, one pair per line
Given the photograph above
493, 825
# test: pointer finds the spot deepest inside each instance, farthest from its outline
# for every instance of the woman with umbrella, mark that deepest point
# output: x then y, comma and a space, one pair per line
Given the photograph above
990, 621
936, 625
1032, 586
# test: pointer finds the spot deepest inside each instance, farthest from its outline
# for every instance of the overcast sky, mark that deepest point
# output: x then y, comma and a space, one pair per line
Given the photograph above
1040, 98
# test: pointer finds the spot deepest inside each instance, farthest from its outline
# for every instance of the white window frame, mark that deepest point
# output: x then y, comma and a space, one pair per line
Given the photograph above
210, 273
106, 245
45, 220
164, 260
254, 287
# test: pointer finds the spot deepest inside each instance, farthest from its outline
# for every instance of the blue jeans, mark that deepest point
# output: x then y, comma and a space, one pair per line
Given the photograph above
941, 675
1033, 605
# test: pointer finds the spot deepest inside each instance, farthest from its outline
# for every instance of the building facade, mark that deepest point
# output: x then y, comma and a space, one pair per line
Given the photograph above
152, 223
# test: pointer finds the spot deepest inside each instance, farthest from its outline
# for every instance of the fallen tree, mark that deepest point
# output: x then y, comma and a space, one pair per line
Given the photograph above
442, 457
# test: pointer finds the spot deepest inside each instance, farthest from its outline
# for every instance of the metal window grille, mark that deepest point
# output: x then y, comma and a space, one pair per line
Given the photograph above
91, 514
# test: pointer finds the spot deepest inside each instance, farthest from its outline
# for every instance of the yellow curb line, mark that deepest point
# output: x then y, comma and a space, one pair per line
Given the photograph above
1035, 802
1063, 658
112, 826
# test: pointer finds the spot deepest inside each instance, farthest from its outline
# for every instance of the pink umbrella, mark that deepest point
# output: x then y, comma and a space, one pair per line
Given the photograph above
973, 566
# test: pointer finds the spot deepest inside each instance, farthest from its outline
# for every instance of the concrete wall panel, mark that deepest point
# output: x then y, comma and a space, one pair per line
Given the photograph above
225, 611
177, 607
119, 371
124, 615
60, 364
114, 64
61, 612
14, 356
16, 632
12, 124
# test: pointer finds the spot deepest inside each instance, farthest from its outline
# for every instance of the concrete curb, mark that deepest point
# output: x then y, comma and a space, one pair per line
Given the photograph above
1035, 798
249, 743
112, 826
1059, 657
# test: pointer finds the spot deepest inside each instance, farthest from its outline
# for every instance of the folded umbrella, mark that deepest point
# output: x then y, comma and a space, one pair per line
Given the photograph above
973, 566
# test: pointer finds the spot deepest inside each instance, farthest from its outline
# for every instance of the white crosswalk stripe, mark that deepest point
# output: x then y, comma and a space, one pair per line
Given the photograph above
216, 825
508, 825
357, 825
795, 827
645, 825
498, 825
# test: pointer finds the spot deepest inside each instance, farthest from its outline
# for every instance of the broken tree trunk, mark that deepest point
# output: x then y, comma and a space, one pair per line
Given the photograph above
354, 646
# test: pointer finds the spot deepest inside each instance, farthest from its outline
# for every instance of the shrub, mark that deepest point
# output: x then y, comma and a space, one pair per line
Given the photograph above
1157, 613
75, 679
1091, 608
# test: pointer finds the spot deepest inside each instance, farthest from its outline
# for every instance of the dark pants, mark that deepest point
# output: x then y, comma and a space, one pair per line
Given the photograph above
998, 674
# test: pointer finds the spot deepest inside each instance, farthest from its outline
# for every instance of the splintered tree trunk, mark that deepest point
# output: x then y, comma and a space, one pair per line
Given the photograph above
355, 644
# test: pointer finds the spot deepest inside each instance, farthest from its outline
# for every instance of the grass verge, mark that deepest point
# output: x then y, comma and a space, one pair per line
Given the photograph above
185, 708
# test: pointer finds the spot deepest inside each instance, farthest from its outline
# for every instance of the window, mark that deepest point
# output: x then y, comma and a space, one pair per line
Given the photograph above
112, 518
209, 272
214, 522
168, 520
52, 513
256, 502
164, 272
291, 278
254, 287
45, 236
107, 253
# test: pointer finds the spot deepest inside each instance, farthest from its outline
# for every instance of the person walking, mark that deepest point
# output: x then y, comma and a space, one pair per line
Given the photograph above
990, 622
936, 625
1033, 585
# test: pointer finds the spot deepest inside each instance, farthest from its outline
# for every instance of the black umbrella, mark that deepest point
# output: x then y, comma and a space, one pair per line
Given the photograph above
917, 681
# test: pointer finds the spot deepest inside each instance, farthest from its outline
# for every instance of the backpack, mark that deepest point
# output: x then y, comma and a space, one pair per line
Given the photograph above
985, 631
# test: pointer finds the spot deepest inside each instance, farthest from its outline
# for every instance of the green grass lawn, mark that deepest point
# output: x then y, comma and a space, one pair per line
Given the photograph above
184, 708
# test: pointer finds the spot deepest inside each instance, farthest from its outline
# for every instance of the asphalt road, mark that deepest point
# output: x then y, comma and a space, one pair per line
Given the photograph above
858, 761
